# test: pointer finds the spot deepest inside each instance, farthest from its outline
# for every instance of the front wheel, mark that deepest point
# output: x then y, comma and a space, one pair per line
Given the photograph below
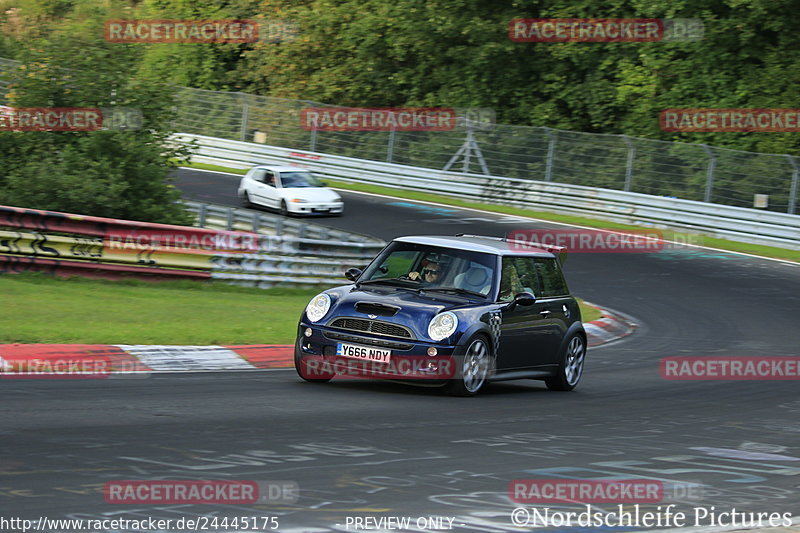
283, 209
570, 368
473, 370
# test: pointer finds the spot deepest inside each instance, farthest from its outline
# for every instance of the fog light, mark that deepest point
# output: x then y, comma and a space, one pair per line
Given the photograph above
307, 332
432, 351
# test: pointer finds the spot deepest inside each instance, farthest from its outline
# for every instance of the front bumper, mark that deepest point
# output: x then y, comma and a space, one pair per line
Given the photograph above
409, 358
309, 208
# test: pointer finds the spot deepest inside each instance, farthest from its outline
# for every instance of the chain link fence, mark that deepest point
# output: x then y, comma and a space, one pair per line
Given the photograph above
673, 169
6, 66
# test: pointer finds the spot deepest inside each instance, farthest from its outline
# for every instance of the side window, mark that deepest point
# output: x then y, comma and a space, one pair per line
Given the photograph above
257, 174
519, 275
552, 279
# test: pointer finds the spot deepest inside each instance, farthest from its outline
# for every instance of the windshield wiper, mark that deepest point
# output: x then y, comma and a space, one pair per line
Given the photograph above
378, 280
457, 290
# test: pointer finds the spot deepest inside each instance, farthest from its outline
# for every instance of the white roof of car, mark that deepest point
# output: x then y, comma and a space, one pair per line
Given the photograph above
479, 243
282, 168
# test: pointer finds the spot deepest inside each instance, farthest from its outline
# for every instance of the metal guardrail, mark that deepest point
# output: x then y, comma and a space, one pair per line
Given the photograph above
728, 222
231, 218
67, 244
618, 162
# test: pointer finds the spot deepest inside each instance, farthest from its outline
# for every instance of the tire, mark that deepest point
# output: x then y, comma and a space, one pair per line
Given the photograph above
283, 209
473, 368
246, 200
301, 366
570, 368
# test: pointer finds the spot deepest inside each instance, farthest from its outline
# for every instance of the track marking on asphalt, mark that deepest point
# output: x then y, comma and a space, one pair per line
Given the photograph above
523, 217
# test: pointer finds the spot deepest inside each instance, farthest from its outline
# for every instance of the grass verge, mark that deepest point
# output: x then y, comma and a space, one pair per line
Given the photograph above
711, 242
43, 309
38, 308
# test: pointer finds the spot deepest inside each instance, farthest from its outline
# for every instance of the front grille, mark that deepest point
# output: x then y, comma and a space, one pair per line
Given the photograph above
344, 337
372, 326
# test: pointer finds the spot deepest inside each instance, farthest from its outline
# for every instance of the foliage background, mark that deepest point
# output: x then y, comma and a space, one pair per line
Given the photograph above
453, 53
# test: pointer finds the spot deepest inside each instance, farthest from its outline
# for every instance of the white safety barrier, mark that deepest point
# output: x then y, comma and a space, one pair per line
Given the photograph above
290, 252
727, 222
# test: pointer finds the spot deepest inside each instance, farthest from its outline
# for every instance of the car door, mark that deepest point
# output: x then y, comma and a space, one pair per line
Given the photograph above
554, 297
529, 335
268, 189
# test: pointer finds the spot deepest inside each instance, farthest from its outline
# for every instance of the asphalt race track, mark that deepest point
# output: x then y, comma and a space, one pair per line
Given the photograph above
359, 449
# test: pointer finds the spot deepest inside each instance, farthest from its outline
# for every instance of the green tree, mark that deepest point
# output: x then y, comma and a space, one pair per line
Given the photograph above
119, 174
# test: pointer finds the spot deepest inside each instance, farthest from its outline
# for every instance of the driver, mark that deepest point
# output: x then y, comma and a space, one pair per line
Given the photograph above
430, 274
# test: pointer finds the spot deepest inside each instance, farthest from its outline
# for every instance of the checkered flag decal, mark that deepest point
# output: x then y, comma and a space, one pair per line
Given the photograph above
495, 321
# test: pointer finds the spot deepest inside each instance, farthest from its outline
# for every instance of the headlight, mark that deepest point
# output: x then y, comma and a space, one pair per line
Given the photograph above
442, 326
318, 307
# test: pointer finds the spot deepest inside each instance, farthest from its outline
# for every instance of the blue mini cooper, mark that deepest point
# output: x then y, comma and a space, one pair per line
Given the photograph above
451, 311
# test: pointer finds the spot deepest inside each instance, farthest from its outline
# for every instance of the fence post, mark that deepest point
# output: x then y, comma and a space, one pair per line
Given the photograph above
313, 147
243, 128
390, 149
229, 219
201, 216
551, 152
712, 163
793, 187
629, 164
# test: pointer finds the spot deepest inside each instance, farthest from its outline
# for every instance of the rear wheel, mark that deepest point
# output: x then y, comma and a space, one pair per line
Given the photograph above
473, 368
570, 368
246, 200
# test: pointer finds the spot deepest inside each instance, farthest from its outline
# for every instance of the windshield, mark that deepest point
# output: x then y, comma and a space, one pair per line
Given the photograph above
299, 179
434, 268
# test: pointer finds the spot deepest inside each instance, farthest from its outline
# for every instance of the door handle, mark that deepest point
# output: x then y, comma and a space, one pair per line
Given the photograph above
545, 312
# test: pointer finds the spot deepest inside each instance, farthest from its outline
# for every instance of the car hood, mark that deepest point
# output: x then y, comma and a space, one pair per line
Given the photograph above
415, 310
311, 194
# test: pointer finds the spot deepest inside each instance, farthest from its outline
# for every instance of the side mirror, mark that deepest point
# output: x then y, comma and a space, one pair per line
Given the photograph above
352, 273
525, 299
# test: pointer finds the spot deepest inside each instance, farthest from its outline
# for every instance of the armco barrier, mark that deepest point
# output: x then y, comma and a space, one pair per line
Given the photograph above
231, 218
734, 223
67, 244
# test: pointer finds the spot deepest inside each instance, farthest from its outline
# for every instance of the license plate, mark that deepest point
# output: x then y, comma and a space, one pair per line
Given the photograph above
379, 355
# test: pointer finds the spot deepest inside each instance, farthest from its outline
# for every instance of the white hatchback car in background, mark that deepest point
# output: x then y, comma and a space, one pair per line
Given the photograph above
290, 190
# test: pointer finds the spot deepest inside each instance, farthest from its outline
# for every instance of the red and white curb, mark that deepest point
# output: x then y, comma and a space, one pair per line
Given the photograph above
15, 358
142, 358
612, 326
